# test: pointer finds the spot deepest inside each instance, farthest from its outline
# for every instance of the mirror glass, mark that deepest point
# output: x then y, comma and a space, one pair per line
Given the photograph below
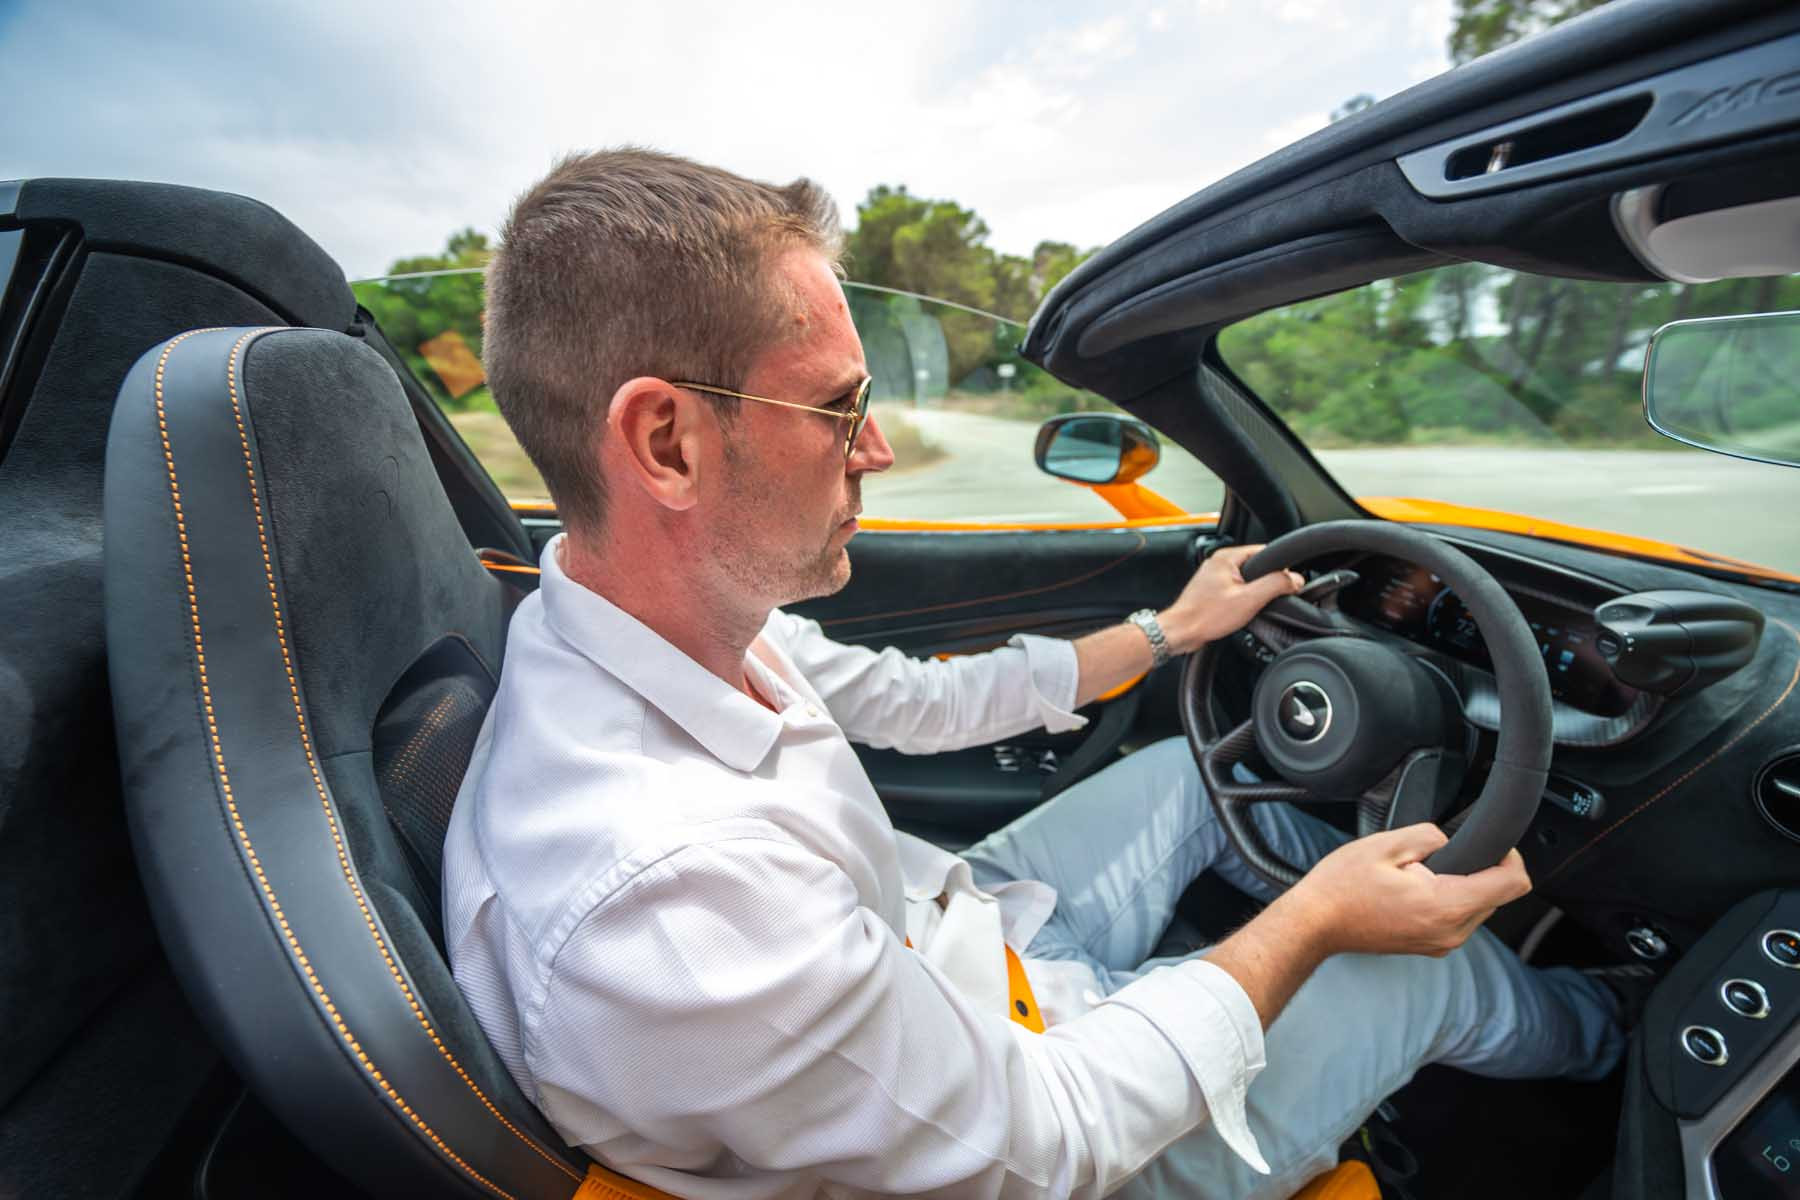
1086, 449
1730, 384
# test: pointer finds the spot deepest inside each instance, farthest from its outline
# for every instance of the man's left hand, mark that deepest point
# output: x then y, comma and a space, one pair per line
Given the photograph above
1218, 601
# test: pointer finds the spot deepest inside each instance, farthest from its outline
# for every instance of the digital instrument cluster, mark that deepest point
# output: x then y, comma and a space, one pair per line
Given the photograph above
1414, 603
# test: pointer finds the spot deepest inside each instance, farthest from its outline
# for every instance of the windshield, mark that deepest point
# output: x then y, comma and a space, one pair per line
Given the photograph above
1498, 390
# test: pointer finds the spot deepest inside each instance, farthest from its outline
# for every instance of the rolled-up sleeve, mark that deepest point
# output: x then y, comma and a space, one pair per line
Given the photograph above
733, 1007
918, 706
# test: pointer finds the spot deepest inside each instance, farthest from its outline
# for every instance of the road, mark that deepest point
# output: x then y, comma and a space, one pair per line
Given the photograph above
1690, 497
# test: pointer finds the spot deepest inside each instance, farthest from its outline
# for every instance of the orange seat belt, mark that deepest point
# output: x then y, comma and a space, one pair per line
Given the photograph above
602, 1184
1350, 1180
1021, 1004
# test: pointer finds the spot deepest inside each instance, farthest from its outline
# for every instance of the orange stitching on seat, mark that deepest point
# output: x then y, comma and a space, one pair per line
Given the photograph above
414, 749
319, 782
1693, 770
243, 834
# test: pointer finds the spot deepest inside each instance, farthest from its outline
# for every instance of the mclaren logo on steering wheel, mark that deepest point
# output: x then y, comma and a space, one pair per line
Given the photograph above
1304, 711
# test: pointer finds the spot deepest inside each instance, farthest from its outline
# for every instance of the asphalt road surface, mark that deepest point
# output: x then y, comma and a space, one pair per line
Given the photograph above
1690, 497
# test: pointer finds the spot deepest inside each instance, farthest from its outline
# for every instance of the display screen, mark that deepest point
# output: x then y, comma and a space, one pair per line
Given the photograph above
1761, 1157
1414, 603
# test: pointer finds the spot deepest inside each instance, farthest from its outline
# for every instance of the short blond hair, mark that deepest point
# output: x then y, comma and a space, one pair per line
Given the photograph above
624, 263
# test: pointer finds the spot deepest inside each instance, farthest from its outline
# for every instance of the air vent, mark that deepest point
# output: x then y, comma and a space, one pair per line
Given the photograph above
1777, 793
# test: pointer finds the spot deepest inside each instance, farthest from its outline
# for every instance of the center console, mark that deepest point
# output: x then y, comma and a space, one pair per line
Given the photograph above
1720, 1061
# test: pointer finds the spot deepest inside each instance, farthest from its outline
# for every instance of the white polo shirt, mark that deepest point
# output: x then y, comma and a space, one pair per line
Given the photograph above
680, 918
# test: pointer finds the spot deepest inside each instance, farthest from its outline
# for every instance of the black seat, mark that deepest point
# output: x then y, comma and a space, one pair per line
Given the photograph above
100, 1057
302, 647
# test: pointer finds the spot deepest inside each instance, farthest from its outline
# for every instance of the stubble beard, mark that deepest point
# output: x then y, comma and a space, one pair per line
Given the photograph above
779, 574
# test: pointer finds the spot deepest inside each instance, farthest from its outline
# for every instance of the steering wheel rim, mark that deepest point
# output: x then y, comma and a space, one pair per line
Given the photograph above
1509, 798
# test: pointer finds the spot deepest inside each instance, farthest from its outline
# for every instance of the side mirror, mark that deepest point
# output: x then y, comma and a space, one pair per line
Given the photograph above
1729, 384
1096, 448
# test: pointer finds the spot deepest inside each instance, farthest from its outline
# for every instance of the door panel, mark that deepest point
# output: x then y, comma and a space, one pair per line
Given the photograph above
939, 593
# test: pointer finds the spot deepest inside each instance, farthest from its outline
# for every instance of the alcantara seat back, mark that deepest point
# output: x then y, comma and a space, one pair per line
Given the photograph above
302, 646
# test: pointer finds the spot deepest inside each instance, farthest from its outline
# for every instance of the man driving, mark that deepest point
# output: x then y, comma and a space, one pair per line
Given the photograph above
672, 896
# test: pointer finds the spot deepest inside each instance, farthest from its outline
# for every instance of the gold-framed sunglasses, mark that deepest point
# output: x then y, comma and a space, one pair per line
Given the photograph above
856, 412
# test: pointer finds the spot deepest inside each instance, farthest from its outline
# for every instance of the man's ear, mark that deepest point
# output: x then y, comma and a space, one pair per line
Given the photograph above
653, 429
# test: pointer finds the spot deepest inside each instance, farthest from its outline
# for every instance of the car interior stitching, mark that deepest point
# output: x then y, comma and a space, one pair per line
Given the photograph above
1141, 542
1697, 767
224, 778
319, 781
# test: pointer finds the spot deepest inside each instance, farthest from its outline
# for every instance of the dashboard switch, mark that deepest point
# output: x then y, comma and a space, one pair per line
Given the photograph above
1254, 647
1745, 997
1705, 1044
1646, 942
1782, 946
1574, 797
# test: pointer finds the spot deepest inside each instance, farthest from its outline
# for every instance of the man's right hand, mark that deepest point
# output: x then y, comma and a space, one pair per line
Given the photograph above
1375, 895
1371, 896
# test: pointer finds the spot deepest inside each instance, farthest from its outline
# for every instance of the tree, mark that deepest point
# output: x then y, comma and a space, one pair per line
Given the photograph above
434, 320
939, 248
1483, 25
1352, 106
933, 247
1051, 261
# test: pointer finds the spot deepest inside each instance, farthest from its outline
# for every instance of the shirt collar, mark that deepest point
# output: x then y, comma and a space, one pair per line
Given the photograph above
734, 728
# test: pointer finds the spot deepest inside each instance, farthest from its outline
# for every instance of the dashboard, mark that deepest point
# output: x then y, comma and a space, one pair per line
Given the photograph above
1415, 604
1682, 862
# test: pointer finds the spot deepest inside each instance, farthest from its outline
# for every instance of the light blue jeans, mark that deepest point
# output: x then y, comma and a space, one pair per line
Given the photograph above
1122, 846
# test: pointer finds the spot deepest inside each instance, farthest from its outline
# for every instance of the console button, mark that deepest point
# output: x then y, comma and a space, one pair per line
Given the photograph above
1745, 997
1647, 942
1704, 1043
1783, 947
1574, 797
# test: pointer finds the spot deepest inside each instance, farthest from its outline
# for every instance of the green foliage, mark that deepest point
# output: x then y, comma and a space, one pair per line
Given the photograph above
939, 248
412, 312
1051, 261
1731, 384
1474, 354
933, 247
1483, 25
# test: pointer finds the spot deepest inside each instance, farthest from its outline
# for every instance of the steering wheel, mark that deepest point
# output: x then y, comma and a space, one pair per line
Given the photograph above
1342, 716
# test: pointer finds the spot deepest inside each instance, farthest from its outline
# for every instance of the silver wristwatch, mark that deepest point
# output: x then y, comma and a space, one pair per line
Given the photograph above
1145, 619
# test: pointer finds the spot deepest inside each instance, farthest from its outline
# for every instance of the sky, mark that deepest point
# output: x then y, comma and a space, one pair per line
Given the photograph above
380, 128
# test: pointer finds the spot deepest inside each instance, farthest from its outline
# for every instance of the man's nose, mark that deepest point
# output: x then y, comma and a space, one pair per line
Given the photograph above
872, 452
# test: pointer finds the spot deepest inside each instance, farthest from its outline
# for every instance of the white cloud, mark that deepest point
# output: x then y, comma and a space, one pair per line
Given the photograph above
1293, 129
381, 128
1110, 38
